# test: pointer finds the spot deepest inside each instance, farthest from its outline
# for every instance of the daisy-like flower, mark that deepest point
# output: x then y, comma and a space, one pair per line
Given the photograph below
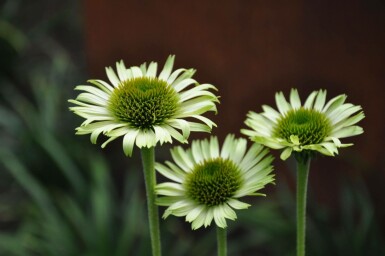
316, 126
207, 181
143, 107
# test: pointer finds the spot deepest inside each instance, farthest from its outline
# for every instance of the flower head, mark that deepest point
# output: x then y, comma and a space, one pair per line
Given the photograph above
144, 108
316, 126
207, 181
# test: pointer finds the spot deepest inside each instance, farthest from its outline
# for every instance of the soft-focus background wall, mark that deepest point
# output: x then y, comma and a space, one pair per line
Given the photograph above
249, 50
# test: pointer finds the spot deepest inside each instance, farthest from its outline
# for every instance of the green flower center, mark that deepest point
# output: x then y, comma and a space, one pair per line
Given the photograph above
311, 126
144, 102
213, 182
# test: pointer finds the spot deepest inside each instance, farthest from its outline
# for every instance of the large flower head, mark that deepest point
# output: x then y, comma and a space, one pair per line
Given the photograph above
143, 107
315, 126
207, 182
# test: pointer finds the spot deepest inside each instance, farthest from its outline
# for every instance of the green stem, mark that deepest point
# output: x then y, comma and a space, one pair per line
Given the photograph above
221, 241
148, 159
302, 178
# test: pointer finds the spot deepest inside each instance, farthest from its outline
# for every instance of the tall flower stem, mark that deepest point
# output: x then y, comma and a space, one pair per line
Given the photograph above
302, 180
148, 159
222, 241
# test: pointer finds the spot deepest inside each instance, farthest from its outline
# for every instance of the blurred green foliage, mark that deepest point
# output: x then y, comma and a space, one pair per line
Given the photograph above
59, 195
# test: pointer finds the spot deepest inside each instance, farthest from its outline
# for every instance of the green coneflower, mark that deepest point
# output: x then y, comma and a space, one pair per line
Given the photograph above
144, 108
208, 182
314, 126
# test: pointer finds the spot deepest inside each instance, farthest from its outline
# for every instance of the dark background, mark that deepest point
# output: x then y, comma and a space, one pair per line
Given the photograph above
249, 50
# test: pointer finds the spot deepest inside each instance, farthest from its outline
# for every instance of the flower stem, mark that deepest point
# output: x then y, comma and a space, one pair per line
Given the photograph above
221, 241
302, 178
148, 159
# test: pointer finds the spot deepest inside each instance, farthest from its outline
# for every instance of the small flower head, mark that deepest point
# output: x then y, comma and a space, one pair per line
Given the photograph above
316, 126
144, 108
207, 181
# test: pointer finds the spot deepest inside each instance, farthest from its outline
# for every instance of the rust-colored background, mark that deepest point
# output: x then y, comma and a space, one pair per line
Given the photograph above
250, 50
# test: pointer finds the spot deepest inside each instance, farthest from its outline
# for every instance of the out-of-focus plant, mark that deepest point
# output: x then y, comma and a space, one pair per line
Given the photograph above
351, 229
53, 199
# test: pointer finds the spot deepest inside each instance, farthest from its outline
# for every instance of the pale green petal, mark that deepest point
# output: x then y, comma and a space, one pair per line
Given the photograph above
286, 153
165, 73
178, 158
91, 98
152, 68
197, 152
112, 76
136, 72
145, 138
199, 90
209, 216
183, 84
177, 177
238, 205
348, 132
121, 69
239, 151
294, 139
219, 217
253, 156
198, 127
168, 200
205, 146
205, 120
95, 91
194, 213
102, 85
162, 135
176, 169
174, 133
182, 125
129, 141
214, 147
349, 121
334, 103
143, 68
335, 140
309, 101
227, 211
174, 75
228, 146
295, 101
282, 104
270, 113
199, 220
187, 161
169, 189
320, 100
